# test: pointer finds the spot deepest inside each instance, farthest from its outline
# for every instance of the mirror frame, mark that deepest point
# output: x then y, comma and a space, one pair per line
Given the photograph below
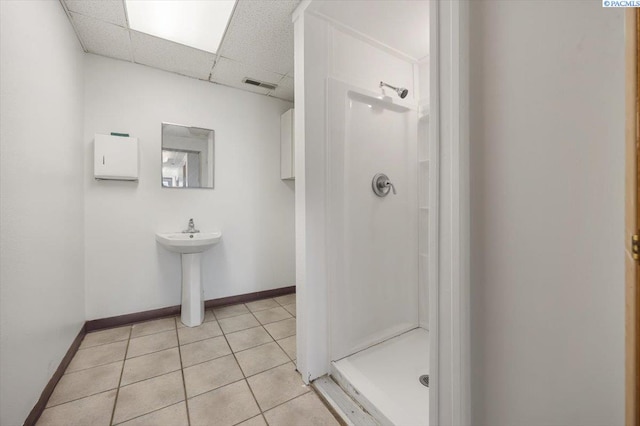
213, 148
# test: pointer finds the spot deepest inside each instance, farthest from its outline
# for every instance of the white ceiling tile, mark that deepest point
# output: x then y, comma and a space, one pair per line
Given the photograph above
231, 73
261, 33
102, 38
284, 89
169, 56
111, 11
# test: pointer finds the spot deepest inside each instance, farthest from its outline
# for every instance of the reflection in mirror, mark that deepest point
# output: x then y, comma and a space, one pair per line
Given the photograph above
187, 157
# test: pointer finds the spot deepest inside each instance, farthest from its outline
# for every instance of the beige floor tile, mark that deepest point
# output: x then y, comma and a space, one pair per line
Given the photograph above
173, 415
149, 395
261, 305
208, 316
260, 358
97, 355
230, 311
304, 410
286, 300
249, 338
150, 365
211, 375
291, 309
204, 331
281, 329
228, 405
102, 337
237, 323
152, 327
85, 383
204, 350
254, 421
278, 385
272, 315
93, 410
288, 344
152, 343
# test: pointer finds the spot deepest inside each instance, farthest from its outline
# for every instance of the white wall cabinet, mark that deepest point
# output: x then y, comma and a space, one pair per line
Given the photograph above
287, 146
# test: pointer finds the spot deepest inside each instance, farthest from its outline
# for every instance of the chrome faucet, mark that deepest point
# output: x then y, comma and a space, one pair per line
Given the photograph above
191, 229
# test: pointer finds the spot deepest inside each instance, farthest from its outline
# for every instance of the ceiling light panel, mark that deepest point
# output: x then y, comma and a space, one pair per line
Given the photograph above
199, 24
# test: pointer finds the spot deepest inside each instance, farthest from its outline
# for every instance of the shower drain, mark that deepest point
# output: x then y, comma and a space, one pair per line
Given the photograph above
424, 379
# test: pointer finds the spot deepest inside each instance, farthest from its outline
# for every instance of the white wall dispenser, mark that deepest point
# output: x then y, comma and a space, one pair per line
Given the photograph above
115, 157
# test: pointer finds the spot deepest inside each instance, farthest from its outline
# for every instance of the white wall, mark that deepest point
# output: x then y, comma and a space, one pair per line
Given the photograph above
41, 213
126, 270
547, 199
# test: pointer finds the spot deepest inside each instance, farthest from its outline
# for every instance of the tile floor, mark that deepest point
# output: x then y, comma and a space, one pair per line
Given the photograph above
237, 368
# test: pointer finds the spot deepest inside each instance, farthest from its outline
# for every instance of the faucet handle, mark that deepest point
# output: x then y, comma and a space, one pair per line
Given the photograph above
393, 188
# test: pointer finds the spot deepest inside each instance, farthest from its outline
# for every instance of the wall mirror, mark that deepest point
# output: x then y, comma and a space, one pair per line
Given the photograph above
187, 156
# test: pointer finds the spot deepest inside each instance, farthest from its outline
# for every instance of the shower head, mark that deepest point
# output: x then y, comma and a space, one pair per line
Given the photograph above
401, 91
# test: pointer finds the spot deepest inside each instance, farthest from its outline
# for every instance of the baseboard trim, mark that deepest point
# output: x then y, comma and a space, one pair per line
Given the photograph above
127, 319
37, 410
249, 297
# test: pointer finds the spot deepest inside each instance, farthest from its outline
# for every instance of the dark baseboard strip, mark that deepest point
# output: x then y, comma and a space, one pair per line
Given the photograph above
120, 320
249, 297
127, 319
37, 410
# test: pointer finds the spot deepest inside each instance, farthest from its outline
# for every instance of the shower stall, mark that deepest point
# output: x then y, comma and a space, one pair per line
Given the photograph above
364, 229
376, 258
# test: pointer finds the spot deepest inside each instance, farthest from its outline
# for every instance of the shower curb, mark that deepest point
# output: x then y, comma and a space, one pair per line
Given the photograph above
350, 412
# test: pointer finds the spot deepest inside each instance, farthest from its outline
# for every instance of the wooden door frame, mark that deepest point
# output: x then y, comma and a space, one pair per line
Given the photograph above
632, 218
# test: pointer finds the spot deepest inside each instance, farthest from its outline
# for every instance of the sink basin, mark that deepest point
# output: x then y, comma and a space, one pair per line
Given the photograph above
190, 246
184, 243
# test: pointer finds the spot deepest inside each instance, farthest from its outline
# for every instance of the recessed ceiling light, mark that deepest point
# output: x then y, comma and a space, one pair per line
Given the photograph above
199, 24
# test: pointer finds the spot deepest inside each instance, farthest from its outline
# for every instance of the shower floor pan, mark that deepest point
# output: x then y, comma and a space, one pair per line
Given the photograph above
385, 379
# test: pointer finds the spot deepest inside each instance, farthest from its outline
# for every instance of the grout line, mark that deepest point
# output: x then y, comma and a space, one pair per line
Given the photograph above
67, 372
243, 375
78, 399
286, 304
246, 420
153, 352
232, 316
310, 389
254, 347
217, 388
184, 384
268, 369
209, 360
152, 411
151, 377
287, 353
177, 318
102, 344
115, 401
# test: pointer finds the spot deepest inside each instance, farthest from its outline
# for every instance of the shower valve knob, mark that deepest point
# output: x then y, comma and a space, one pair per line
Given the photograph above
381, 185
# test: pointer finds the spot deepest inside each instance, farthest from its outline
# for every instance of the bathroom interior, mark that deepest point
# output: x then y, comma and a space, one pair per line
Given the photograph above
239, 216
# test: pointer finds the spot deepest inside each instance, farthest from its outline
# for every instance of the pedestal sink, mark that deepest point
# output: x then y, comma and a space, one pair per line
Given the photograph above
190, 246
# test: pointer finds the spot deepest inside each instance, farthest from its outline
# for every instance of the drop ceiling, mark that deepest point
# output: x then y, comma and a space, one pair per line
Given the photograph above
258, 44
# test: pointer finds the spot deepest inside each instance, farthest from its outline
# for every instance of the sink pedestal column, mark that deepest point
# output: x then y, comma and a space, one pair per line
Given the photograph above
192, 313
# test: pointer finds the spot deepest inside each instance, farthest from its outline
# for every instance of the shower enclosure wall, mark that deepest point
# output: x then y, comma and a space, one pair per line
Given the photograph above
365, 263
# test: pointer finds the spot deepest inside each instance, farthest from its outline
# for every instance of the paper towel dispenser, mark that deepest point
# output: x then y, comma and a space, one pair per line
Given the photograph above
115, 157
